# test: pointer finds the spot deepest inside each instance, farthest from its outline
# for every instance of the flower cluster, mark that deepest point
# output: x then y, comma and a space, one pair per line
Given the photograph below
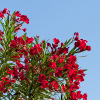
5, 11
21, 17
81, 43
45, 65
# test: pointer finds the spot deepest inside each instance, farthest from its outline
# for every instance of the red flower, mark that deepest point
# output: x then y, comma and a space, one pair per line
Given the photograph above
52, 65
33, 51
2, 85
24, 52
58, 72
24, 19
88, 48
19, 64
54, 45
26, 67
55, 57
26, 60
67, 66
79, 95
60, 50
76, 38
29, 40
48, 44
72, 73
84, 96
15, 73
42, 77
9, 71
17, 14
55, 85
5, 11
56, 41
80, 71
5, 90
62, 44
81, 44
73, 95
72, 59
1, 14
77, 34
21, 41
16, 38
38, 47
65, 50
12, 80
44, 84
24, 29
21, 75
63, 88
60, 60
13, 44
81, 78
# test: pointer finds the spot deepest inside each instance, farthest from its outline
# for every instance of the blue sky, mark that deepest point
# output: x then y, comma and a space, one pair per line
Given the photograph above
60, 19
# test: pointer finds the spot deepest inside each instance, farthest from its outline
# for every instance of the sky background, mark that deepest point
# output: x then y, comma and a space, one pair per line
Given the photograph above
60, 19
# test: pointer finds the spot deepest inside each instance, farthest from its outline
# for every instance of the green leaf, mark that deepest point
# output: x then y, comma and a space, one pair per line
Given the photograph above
66, 44
3, 26
7, 24
81, 56
36, 40
31, 45
85, 70
25, 38
44, 45
12, 37
44, 58
72, 51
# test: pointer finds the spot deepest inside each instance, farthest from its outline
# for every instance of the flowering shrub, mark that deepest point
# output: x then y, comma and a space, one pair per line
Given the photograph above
46, 67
